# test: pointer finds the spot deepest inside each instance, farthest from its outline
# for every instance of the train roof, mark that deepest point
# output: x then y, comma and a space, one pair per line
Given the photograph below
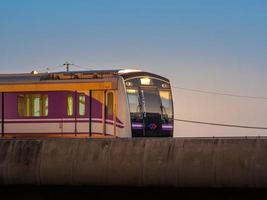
92, 74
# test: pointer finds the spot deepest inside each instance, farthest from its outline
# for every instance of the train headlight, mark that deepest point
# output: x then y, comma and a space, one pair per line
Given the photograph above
129, 84
146, 81
164, 85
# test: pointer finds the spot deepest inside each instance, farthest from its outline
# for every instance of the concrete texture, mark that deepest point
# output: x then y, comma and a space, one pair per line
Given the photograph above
168, 162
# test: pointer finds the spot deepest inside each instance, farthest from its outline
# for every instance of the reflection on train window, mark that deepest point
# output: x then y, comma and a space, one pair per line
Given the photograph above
133, 98
110, 102
45, 105
81, 104
152, 101
36, 105
32, 105
166, 100
69, 104
24, 105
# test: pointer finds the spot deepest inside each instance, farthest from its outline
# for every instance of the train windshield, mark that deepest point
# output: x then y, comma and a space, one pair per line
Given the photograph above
133, 96
166, 99
151, 101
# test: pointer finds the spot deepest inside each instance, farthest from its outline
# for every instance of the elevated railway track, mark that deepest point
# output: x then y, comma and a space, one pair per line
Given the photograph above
154, 162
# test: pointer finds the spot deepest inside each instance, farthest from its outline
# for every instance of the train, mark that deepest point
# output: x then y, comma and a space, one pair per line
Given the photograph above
97, 103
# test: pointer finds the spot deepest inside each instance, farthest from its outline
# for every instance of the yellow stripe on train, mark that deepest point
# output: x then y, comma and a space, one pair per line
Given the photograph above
55, 87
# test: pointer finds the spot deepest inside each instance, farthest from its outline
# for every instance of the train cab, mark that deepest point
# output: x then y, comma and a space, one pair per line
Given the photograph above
150, 104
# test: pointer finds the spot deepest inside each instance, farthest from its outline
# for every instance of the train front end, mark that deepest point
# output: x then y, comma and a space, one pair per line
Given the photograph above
150, 104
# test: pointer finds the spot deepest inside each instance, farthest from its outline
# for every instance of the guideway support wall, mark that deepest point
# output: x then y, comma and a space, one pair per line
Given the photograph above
168, 162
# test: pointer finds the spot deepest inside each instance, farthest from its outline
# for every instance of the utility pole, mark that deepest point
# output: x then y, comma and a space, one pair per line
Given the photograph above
67, 65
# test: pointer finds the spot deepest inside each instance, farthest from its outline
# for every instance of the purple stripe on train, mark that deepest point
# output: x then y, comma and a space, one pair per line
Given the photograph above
119, 125
60, 133
57, 106
167, 127
137, 126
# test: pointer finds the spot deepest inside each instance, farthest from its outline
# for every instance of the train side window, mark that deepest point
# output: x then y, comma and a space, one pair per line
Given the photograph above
28, 105
36, 105
45, 105
81, 104
23, 105
32, 105
70, 105
110, 103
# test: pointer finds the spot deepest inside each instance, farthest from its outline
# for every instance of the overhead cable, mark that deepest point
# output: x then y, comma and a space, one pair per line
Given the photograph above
220, 93
220, 124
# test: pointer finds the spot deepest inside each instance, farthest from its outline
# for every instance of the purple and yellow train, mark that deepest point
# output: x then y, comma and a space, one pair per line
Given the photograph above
102, 103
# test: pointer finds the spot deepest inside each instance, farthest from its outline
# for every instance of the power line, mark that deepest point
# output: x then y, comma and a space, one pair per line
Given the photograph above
47, 69
81, 67
219, 93
219, 124
214, 92
176, 87
66, 65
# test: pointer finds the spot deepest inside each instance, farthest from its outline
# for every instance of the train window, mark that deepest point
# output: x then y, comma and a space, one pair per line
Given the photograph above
69, 105
45, 105
166, 100
81, 104
23, 106
110, 102
32, 105
28, 105
133, 97
152, 101
36, 105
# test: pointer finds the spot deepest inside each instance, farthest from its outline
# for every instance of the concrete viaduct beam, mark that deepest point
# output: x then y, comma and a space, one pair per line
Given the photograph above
175, 162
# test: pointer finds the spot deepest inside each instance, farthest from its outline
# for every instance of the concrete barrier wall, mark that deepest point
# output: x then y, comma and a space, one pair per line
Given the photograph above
135, 162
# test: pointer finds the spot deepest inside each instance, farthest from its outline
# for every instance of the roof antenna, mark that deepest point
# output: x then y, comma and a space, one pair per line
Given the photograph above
67, 65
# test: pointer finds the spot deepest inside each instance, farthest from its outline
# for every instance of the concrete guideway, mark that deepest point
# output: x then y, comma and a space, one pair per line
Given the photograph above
169, 162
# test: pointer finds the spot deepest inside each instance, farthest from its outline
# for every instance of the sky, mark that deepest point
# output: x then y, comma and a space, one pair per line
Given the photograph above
214, 45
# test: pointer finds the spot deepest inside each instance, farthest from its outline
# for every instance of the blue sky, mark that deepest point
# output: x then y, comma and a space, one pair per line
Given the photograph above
217, 45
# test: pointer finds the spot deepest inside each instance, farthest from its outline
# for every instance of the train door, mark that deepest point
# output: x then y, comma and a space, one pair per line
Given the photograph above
151, 104
110, 113
97, 112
